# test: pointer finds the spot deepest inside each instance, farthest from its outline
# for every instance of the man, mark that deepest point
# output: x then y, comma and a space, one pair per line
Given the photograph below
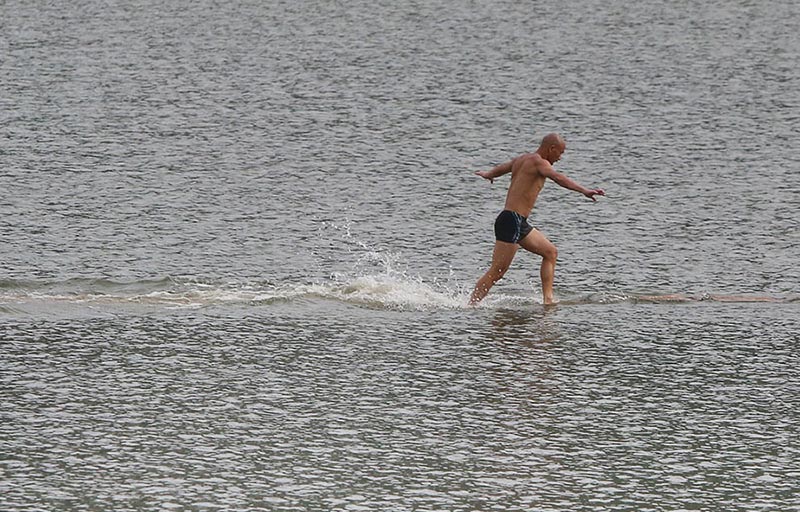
528, 173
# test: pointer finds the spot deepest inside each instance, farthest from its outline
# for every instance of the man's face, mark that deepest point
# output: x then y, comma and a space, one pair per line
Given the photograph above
556, 151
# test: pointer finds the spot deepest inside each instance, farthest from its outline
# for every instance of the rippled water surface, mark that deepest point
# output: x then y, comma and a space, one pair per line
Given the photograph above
237, 241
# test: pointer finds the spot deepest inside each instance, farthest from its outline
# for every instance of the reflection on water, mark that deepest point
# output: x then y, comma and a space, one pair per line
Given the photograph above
531, 326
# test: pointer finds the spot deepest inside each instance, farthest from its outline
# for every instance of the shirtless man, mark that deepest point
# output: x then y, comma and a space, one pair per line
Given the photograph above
528, 173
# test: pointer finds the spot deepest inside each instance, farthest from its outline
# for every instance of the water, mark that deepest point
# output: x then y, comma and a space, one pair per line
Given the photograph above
238, 240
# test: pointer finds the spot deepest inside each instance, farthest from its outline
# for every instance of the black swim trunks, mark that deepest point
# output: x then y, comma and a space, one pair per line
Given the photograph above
511, 227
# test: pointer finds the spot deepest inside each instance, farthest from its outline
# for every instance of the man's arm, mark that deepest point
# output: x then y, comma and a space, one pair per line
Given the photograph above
496, 171
549, 172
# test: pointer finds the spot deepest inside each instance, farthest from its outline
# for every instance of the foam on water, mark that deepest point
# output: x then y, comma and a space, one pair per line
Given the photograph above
376, 279
387, 290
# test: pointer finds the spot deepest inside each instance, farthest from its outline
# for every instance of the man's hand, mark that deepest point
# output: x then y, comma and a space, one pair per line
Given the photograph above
595, 192
485, 175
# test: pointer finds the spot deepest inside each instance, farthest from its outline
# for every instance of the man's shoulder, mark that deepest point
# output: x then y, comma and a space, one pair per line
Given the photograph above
530, 161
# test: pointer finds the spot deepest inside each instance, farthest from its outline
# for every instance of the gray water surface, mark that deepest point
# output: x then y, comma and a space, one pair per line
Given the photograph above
237, 242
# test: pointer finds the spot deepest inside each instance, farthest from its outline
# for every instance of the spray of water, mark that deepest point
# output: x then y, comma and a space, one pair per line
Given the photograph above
374, 278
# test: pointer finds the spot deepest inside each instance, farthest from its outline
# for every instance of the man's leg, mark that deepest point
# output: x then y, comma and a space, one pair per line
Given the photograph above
537, 243
501, 259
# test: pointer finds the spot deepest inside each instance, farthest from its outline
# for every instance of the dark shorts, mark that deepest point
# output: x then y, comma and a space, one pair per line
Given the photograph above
511, 227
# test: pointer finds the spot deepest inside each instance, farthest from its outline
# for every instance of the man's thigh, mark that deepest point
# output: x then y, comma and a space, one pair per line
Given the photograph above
537, 243
503, 254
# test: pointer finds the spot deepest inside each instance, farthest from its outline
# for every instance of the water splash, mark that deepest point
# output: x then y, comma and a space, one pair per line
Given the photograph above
385, 290
374, 278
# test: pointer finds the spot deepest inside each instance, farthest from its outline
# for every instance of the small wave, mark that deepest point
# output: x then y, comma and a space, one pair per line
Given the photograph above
383, 291
673, 298
395, 292
78, 290
7, 310
78, 284
386, 290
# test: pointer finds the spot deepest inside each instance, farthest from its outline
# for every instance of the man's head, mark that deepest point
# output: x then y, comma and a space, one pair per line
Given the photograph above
552, 147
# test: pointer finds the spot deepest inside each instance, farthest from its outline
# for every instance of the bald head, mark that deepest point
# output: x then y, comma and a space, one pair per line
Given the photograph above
553, 139
551, 147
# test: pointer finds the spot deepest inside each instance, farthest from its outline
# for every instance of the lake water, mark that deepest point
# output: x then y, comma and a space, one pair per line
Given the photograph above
237, 241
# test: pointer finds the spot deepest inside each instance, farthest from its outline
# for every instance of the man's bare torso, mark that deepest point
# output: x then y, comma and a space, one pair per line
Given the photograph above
526, 183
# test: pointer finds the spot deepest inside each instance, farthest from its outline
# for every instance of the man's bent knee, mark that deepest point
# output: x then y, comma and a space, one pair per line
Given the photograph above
550, 253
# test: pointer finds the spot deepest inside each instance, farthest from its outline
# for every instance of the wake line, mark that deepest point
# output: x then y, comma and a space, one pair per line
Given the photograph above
383, 291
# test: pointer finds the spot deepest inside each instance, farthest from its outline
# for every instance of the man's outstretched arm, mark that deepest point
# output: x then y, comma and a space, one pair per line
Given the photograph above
496, 171
572, 185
